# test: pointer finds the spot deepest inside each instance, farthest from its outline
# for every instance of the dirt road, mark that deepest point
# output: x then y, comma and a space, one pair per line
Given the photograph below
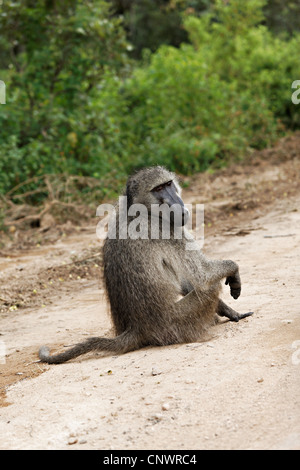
238, 390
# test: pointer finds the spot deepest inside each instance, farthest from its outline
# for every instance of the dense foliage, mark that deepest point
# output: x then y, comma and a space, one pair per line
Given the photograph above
77, 102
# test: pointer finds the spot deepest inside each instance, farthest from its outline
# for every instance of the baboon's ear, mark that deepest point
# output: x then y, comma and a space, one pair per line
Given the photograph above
131, 191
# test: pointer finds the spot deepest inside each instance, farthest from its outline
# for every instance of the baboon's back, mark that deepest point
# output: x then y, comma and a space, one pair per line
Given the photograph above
137, 286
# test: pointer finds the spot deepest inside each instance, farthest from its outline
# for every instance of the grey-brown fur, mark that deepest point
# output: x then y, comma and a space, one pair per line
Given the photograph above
144, 278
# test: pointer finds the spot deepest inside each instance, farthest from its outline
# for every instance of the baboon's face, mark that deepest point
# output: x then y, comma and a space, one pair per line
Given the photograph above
169, 193
156, 186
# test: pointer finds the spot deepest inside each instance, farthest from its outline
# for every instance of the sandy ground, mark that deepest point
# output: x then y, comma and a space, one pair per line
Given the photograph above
238, 390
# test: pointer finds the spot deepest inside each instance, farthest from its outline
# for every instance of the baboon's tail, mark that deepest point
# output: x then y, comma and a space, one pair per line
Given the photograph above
120, 344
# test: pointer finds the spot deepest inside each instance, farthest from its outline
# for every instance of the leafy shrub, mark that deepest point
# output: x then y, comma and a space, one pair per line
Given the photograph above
77, 105
204, 103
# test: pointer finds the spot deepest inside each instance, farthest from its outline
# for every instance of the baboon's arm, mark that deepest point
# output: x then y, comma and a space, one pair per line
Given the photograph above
216, 270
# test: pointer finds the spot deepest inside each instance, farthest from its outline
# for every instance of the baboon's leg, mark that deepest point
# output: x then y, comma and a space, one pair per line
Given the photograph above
186, 287
193, 314
225, 311
194, 302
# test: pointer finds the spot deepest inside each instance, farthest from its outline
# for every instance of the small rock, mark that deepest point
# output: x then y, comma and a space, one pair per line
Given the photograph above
260, 380
46, 222
155, 371
72, 440
189, 381
165, 406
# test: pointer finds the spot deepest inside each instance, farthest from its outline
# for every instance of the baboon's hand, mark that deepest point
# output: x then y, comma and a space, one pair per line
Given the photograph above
235, 285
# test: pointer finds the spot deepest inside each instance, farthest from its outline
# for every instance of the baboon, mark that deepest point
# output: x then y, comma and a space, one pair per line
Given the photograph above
144, 277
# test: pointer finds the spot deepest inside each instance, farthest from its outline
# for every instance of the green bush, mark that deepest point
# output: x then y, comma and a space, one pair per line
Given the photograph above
53, 58
204, 103
76, 104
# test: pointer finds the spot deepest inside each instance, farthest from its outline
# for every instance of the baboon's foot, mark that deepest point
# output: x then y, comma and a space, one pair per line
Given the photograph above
225, 311
239, 316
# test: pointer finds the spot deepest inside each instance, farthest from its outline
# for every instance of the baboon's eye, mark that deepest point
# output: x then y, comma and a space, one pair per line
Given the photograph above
161, 186
158, 188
